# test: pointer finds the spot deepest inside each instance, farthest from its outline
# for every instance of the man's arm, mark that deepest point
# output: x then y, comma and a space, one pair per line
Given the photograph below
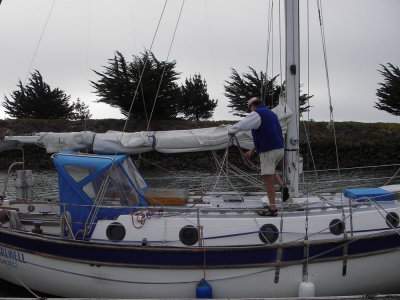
251, 121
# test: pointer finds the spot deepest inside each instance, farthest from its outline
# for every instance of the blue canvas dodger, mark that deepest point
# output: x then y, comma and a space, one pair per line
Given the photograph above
80, 177
376, 194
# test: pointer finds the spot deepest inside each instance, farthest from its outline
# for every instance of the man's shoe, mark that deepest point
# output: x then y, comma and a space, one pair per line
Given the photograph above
285, 193
268, 212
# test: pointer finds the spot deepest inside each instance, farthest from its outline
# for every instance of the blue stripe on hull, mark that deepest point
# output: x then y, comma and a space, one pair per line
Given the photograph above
191, 257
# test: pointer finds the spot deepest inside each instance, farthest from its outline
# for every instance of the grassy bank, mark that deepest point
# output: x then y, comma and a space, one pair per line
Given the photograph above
359, 144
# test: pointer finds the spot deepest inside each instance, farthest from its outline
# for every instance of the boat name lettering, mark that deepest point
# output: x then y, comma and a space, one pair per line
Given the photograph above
12, 255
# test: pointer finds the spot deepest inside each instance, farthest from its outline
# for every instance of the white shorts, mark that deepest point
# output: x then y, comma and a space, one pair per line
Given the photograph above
269, 160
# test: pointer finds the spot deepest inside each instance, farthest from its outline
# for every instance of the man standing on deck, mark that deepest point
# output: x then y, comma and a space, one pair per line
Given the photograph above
268, 142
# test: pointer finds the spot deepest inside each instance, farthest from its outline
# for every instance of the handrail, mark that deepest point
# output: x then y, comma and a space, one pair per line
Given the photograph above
205, 210
9, 208
8, 175
352, 168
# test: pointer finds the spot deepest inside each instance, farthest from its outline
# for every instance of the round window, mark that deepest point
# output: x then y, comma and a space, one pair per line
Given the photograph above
268, 233
115, 231
189, 235
392, 219
336, 227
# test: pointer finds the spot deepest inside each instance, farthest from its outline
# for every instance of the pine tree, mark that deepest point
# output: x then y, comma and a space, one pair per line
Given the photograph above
195, 101
253, 84
389, 91
37, 100
81, 111
119, 80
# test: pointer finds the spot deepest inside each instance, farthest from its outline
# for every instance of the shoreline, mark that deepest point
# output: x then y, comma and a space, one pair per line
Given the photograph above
359, 144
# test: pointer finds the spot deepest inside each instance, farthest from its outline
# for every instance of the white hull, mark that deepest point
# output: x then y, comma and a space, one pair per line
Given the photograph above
371, 274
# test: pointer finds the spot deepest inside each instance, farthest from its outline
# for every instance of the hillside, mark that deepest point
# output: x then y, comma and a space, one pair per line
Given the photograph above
359, 144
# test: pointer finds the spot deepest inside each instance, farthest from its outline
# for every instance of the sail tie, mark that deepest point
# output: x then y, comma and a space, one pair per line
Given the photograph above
153, 144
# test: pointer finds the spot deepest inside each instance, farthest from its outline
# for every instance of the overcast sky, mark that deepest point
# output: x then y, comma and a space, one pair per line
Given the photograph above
213, 37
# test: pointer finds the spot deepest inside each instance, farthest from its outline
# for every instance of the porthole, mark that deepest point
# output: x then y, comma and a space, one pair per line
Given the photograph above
115, 231
268, 233
336, 227
189, 235
392, 219
31, 208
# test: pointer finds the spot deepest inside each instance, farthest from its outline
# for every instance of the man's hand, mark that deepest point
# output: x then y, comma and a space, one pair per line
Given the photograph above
249, 153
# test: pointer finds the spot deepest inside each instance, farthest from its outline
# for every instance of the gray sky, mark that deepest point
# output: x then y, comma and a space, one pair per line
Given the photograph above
213, 37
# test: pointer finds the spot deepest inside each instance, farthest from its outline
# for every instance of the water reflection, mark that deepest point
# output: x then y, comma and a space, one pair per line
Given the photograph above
45, 182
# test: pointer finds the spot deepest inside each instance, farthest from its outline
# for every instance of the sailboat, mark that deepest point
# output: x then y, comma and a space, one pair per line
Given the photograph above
112, 235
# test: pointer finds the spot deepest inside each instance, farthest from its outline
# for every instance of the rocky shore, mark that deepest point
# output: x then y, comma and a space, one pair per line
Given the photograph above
359, 144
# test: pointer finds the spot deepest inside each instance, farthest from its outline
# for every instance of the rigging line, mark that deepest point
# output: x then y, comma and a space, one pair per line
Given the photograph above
165, 64
357, 168
391, 178
308, 59
377, 207
309, 152
23, 284
87, 85
243, 203
272, 44
36, 49
221, 167
89, 16
133, 34
354, 180
40, 38
158, 166
222, 171
204, 192
306, 240
247, 178
322, 29
141, 74
307, 128
144, 105
237, 173
263, 84
280, 45
100, 194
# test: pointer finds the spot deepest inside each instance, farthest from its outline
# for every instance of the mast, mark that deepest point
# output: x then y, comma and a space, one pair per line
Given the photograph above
292, 94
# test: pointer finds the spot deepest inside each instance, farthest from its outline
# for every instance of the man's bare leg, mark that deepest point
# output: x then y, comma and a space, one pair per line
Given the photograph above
284, 190
278, 179
269, 185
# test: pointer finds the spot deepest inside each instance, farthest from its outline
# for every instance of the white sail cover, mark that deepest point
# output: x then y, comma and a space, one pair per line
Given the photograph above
173, 141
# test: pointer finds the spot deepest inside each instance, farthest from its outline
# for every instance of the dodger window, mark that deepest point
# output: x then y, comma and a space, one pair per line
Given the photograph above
134, 174
119, 191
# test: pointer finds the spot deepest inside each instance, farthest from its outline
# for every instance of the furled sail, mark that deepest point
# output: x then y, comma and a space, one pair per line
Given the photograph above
173, 141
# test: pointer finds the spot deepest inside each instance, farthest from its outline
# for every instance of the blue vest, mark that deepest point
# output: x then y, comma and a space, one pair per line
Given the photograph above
269, 135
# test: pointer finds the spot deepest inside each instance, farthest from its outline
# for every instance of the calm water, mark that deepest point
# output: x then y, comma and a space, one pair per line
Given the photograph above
45, 183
